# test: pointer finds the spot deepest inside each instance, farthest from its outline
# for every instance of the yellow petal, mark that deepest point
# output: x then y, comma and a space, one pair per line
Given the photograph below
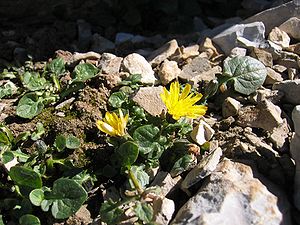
185, 91
106, 128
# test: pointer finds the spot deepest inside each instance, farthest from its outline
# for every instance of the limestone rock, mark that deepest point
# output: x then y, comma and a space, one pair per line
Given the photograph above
195, 68
230, 107
190, 51
279, 135
272, 77
159, 55
252, 32
291, 27
209, 75
275, 16
109, 63
202, 133
263, 56
149, 99
163, 210
291, 90
265, 115
279, 37
208, 47
166, 182
237, 51
294, 149
232, 195
101, 44
203, 169
137, 64
168, 71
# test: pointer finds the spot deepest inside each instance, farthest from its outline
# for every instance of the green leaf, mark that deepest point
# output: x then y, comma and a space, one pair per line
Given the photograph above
8, 132
247, 73
56, 66
116, 99
29, 219
85, 71
132, 79
110, 213
29, 106
37, 134
36, 197
72, 142
4, 139
141, 176
8, 89
24, 176
143, 211
147, 138
60, 142
33, 82
68, 197
22, 137
127, 153
182, 164
7, 157
1, 220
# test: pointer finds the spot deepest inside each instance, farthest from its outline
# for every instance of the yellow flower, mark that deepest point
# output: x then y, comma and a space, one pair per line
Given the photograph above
182, 105
112, 124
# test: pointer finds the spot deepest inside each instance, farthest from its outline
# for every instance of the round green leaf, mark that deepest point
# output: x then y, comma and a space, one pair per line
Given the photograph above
29, 219
36, 196
29, 106
60, 142
85, 71
141, 176
247, 73
24, 176
7, 157
56, 66
67, 196
116, 99
128, 153
143, 211
147, 138
72, 142
33, 81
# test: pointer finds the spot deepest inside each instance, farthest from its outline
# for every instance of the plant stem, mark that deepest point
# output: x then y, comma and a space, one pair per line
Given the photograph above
135, 181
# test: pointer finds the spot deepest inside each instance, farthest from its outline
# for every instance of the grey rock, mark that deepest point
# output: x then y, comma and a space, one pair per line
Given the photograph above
263, 94
203, 169
255, 5
230, 107
264, 115
254, 33
110, 63
275, 16
149, 99
294, 149
163, 210
137, 64
76, 57
279, 135
291, 27
84, 34
291, 90
123, 37
164, 52
237, 51
101, 44
166, 182
168, 71
197, 66
232, 195
202, 133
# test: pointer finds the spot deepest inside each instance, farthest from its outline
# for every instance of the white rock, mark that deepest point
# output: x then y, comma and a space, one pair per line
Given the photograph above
190, 51
202, 133
291, 27
237, 51
230, 107
272, 77
291, 90
109, 63
168, 71
164, 52
137, 64
149, 99
203, 169
279, 37
164, 209
252, 32
233, 196
166, 182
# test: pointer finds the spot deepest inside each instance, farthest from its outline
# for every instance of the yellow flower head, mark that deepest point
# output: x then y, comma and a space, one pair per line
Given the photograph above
182, 104
112, 124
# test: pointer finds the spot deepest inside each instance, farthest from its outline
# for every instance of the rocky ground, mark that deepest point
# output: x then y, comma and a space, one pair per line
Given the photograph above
251, 174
